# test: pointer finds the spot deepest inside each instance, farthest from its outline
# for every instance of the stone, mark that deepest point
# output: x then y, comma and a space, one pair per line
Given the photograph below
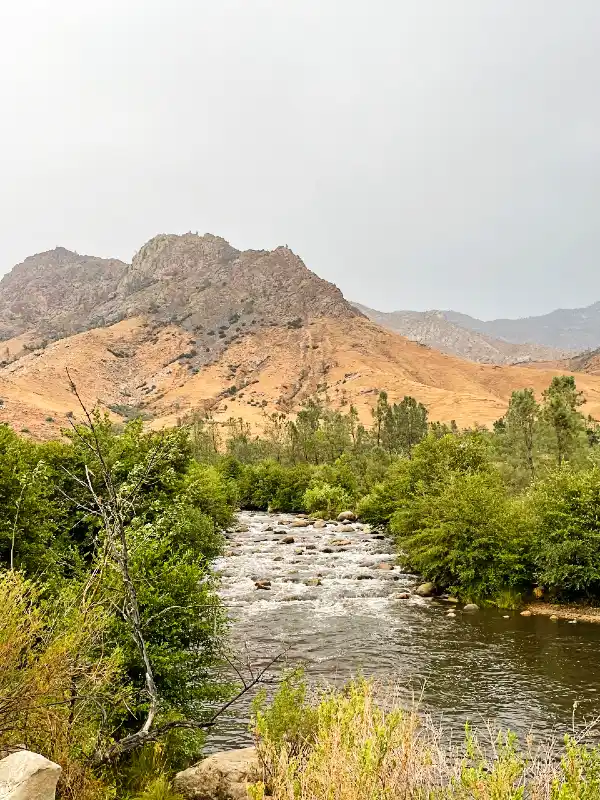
278, 558
313, 582
319, 523
553, 617
340, 542
287, 540
401, 596
310, 546
450, 599
425, 589
385, 566
346, 516
222, 776
241, 529
328, 550
300, 523
28, 776
263, 584
378, 536
526, 613
451, 614
364, 577
471, 607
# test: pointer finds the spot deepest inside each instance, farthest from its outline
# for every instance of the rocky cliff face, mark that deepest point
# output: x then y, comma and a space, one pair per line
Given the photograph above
56, 293
202, 283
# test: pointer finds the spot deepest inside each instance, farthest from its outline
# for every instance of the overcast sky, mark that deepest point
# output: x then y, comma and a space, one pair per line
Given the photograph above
418, 153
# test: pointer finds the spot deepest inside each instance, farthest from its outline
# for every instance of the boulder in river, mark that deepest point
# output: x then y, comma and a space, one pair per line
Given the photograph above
328, 550
300, 523
340, 542
346, 529
313, 582
401, 596
471, 607
28, 776
425, 589
263, 584
287, 540
347, 516
319, 523
526, 613
222, 776
386, 566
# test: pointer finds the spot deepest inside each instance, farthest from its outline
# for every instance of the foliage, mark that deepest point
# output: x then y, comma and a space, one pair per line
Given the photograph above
356, 750
567, 534
471, 537
325, 500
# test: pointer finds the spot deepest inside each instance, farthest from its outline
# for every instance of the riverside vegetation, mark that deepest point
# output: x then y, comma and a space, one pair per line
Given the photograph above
112, 639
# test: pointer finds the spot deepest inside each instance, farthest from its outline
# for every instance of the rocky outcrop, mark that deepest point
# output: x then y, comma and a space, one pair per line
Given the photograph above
222, 776
28, 776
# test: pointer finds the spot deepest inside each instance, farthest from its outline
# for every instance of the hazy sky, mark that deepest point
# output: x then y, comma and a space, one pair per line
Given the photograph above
418, 153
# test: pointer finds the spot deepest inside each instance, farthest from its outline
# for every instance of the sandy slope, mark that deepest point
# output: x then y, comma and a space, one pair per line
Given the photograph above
135, 363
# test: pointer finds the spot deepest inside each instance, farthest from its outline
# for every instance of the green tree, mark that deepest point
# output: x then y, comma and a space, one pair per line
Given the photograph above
520, 424
404, 426
560, 411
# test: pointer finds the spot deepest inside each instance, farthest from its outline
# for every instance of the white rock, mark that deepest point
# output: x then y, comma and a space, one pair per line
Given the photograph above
223, 775
28, 776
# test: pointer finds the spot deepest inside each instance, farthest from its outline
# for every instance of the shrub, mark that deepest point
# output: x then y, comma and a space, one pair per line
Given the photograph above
567, 540
353, 749
326, 501
471, 537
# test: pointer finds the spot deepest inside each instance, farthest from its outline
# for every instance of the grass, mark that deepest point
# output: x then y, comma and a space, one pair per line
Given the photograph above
345, 745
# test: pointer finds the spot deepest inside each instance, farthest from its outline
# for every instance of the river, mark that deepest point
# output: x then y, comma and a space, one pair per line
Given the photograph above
334, 603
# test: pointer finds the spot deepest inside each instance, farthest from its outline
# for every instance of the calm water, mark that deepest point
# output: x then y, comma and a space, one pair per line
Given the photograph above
522, 672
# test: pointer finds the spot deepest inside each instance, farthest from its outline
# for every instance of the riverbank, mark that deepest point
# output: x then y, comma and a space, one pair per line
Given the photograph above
570, 612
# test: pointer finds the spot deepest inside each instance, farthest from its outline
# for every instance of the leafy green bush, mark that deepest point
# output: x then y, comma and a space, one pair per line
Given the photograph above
471, 538
567, 536
326, 501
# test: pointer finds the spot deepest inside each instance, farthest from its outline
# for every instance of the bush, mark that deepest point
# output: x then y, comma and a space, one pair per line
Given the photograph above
471, 538
567, 541
326, 501
353, 749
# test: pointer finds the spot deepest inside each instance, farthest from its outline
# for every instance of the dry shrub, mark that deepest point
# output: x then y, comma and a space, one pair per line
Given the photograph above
55, 681
356, 750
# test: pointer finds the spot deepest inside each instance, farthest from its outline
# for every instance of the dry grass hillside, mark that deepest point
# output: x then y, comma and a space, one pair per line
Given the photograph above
143, 366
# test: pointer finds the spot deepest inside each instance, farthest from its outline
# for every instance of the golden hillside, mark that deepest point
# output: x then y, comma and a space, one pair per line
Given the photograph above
141, 365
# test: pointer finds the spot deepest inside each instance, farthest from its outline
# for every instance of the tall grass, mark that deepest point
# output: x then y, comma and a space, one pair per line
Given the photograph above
356, 750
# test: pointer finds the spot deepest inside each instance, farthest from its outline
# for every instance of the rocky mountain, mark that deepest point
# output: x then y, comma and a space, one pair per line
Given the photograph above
435, 329
194, 325
573, 329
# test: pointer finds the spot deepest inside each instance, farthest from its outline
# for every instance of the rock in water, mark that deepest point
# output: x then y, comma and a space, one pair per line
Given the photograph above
287, 540
385, 566
28, 776
425, 590
222, 776
347, 516
471, 607
525, 613
320, 523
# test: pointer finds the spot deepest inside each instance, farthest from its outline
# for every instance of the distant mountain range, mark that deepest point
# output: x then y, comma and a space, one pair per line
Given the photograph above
501, 341
434, 329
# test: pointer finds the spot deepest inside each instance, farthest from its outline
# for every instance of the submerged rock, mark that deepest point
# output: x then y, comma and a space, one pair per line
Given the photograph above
222, 776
